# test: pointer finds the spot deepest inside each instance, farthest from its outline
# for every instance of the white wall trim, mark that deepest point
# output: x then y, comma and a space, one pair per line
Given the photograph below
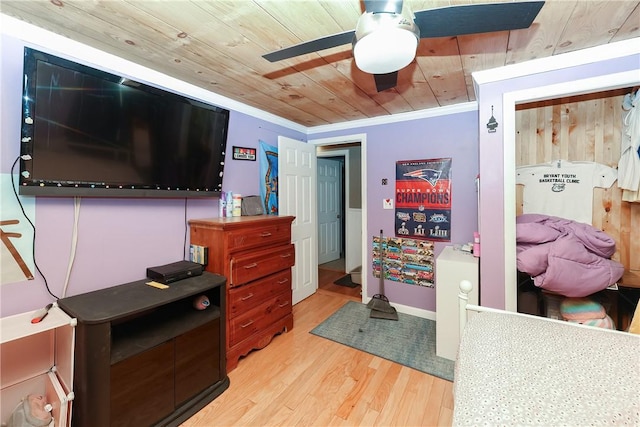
365, 217
413, 311
510, 99
353, 257
396, 118
509, 192
565, 60
358, 137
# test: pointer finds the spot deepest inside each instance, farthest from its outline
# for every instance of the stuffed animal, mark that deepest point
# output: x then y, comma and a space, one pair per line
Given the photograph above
33, 411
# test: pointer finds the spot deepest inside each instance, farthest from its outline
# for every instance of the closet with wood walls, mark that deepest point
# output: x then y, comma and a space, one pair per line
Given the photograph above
584, 128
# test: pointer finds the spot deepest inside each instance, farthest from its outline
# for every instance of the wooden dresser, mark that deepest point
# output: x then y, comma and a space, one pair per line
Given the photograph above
255, 254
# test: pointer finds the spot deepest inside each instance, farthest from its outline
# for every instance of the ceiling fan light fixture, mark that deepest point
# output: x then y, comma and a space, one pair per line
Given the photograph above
384, 42
385, 51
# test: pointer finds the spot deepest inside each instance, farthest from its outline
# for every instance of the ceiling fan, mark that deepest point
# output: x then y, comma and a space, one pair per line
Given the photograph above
387, 34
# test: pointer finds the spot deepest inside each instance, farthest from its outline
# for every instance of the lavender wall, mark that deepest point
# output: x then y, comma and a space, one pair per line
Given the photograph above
492, 172
117, 238
453, 135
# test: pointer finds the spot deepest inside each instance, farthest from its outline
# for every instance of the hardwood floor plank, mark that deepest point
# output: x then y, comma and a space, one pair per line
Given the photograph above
447, 398
363, 409
279, 419
381, 395
331, 403
433, 403
411, 406
421, 397
446, 416
324, 364
267, 401
333, 380
224, 414
391, 413
350, 401
370, 418
303, 379
313, 410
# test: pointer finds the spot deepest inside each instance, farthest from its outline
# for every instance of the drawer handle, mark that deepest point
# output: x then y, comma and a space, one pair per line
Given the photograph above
283, 304
254, 265
265, 234
280, 282
247, 324
285, 255
247, 297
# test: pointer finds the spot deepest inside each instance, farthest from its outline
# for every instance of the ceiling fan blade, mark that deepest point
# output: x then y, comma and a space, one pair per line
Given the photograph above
322, 43
476, 18
386, 81
386, 6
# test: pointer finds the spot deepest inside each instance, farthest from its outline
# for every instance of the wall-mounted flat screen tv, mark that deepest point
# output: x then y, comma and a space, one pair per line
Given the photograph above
87, 132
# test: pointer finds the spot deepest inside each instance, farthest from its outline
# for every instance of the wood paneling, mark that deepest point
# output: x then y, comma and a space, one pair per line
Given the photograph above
218, 46
584, 128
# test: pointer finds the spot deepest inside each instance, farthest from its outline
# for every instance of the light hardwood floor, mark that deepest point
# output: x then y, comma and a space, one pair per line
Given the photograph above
300, 379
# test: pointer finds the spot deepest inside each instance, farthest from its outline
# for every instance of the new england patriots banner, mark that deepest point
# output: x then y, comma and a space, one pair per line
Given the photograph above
423, 199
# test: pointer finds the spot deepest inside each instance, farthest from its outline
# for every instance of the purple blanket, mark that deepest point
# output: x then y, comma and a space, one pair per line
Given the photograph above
566, 257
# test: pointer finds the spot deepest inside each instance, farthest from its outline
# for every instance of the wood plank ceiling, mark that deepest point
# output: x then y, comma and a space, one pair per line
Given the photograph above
218, 45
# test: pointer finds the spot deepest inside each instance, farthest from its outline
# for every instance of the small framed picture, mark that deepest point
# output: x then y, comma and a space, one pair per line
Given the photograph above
244, 153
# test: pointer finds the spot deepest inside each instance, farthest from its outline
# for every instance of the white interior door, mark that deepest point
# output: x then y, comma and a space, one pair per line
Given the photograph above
297, 177
329, 210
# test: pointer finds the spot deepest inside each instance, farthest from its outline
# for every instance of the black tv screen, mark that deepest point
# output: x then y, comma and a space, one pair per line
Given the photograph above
87, 132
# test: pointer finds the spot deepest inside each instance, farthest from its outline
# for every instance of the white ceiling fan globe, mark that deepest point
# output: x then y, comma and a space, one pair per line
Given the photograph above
385, 42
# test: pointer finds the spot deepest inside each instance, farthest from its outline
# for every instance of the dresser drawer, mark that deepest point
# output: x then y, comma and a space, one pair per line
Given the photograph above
260, 236
248, 267
244, 298
259, 318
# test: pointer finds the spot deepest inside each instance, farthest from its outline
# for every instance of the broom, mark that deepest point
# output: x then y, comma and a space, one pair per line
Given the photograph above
379, 303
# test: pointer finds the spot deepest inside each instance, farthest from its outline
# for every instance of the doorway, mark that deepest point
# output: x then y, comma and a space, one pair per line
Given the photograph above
332, 274
339, 217
510, 99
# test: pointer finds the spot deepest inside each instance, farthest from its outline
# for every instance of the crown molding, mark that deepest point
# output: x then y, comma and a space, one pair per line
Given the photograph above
396, 118
566, 60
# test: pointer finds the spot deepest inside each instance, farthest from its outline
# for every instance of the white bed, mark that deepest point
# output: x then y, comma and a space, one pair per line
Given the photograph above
517, 369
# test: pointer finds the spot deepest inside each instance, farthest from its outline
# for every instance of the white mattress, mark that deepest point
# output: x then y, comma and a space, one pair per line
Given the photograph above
525, 370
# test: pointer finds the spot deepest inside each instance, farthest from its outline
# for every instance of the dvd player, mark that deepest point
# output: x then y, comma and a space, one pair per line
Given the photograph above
175, 271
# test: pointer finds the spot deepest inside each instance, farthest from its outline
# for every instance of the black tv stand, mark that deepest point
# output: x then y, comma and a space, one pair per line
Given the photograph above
145, 356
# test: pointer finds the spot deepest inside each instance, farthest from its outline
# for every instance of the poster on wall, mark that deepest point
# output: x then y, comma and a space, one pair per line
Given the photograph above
423, 199
403, 260
16, 235
269, 177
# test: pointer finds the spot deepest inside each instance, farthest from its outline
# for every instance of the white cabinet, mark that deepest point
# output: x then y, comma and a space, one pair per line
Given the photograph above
452, 266
37, 359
